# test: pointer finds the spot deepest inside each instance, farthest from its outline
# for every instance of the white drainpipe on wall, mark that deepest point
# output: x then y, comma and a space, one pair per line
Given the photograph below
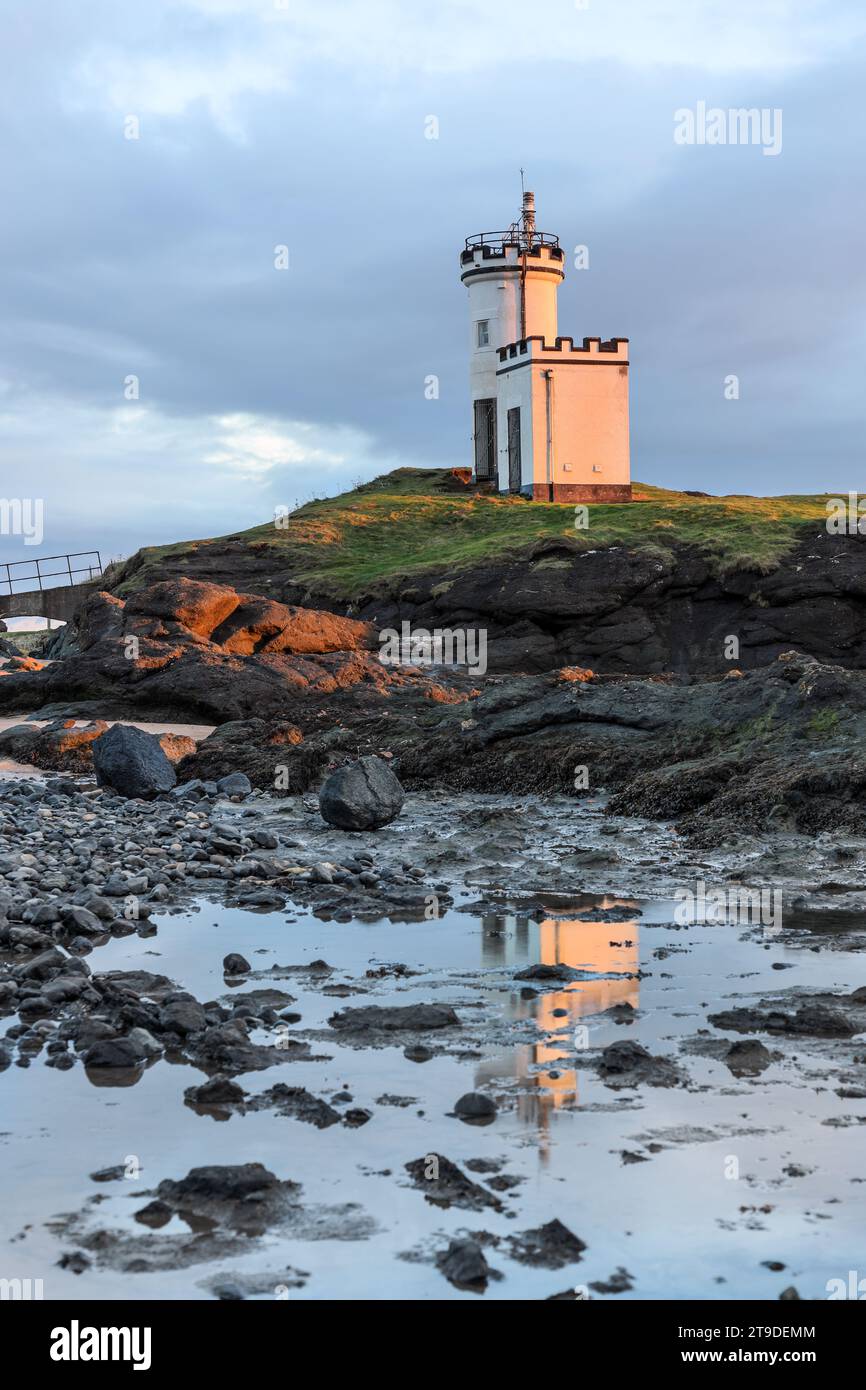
548, 392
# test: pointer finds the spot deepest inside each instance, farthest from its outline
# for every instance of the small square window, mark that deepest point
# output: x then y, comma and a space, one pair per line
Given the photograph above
482, 331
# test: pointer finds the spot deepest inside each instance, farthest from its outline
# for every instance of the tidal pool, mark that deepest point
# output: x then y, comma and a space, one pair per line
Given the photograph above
691, 1189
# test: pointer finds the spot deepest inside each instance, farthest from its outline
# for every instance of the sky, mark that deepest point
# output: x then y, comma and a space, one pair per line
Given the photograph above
161, 378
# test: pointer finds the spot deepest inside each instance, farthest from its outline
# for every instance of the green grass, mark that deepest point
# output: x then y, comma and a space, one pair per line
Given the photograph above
413, 520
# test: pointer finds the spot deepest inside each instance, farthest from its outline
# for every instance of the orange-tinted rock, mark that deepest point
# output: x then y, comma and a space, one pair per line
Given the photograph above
441, 695
285, 735
261, 625
25, 663
176, 746
576, 673
198, 606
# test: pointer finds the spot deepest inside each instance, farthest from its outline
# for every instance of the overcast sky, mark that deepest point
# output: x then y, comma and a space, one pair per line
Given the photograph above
263, 124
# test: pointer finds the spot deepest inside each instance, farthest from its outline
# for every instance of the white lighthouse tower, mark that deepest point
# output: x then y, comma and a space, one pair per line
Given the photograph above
541, 427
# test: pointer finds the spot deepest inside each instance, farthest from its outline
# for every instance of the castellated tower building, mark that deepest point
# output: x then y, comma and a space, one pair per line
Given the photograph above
550, 420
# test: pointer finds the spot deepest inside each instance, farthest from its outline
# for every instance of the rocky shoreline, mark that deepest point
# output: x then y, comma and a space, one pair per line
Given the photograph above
296, 693
565, 806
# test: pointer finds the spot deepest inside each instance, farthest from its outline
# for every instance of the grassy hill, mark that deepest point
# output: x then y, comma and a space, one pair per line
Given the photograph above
414, 520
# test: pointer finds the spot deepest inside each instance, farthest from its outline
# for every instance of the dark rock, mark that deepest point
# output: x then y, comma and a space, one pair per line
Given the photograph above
747, 1057
132, 763
235, 964
228, 1293
619, 1282
182, 1014
246, 1197
476, 1108
108, 1174
296, 1103
218, 1091
375, 1018
81, 919
234, 784
547, 972
221, 1182
362, 796
464, 1265
114, 1053
443, 1184
627, 1063
551, 1246
827, 1016
357, 1117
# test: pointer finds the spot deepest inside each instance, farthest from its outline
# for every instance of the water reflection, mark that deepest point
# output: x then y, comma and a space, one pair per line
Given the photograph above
587, 942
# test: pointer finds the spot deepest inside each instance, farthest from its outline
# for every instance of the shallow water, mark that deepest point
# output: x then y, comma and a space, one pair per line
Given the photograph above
676, 1222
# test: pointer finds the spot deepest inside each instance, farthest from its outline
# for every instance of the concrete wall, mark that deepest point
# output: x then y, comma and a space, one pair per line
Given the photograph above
59, 603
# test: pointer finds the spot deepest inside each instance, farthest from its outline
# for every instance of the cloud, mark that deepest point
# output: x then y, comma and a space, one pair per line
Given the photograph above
114, 478
154, 257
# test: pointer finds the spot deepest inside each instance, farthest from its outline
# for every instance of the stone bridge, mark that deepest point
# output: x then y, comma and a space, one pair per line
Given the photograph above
30, 590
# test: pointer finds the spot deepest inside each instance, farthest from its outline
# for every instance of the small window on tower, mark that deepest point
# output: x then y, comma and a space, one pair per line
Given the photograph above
483, 333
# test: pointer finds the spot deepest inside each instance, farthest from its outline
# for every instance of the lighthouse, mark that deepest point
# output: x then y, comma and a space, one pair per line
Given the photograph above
549, 419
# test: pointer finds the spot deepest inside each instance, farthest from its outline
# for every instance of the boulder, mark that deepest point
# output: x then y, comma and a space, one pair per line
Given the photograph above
262, 625
362, 796
176, 746
464, 1265
132, 763
199, 607
476, 1108
234, 784
115, 1052
99, 619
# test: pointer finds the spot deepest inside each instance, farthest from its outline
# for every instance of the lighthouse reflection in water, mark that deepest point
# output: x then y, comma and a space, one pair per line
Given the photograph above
609, 950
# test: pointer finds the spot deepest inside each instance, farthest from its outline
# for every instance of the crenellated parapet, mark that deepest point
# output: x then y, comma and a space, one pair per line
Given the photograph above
564, 349
503, 257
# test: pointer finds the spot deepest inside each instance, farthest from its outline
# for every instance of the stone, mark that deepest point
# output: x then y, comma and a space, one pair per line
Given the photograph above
82, 919
115, 1053
182, 1014
235, 964
218, 1091
747, 1056
234, 784
464, 1265
376, 1018
361, 796
132, 763
145, 1042
476, 1108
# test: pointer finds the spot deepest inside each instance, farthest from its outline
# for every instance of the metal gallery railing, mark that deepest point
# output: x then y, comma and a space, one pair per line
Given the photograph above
67, 573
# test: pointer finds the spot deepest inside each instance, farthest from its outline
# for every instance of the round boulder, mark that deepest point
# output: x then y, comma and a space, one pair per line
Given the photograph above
475, 1108
132, 763
361, 796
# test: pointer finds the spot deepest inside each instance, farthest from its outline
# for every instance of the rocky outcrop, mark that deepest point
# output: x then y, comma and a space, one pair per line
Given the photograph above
63, 745
638, 611
57, 745
780, 746
200, 652
616, 609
